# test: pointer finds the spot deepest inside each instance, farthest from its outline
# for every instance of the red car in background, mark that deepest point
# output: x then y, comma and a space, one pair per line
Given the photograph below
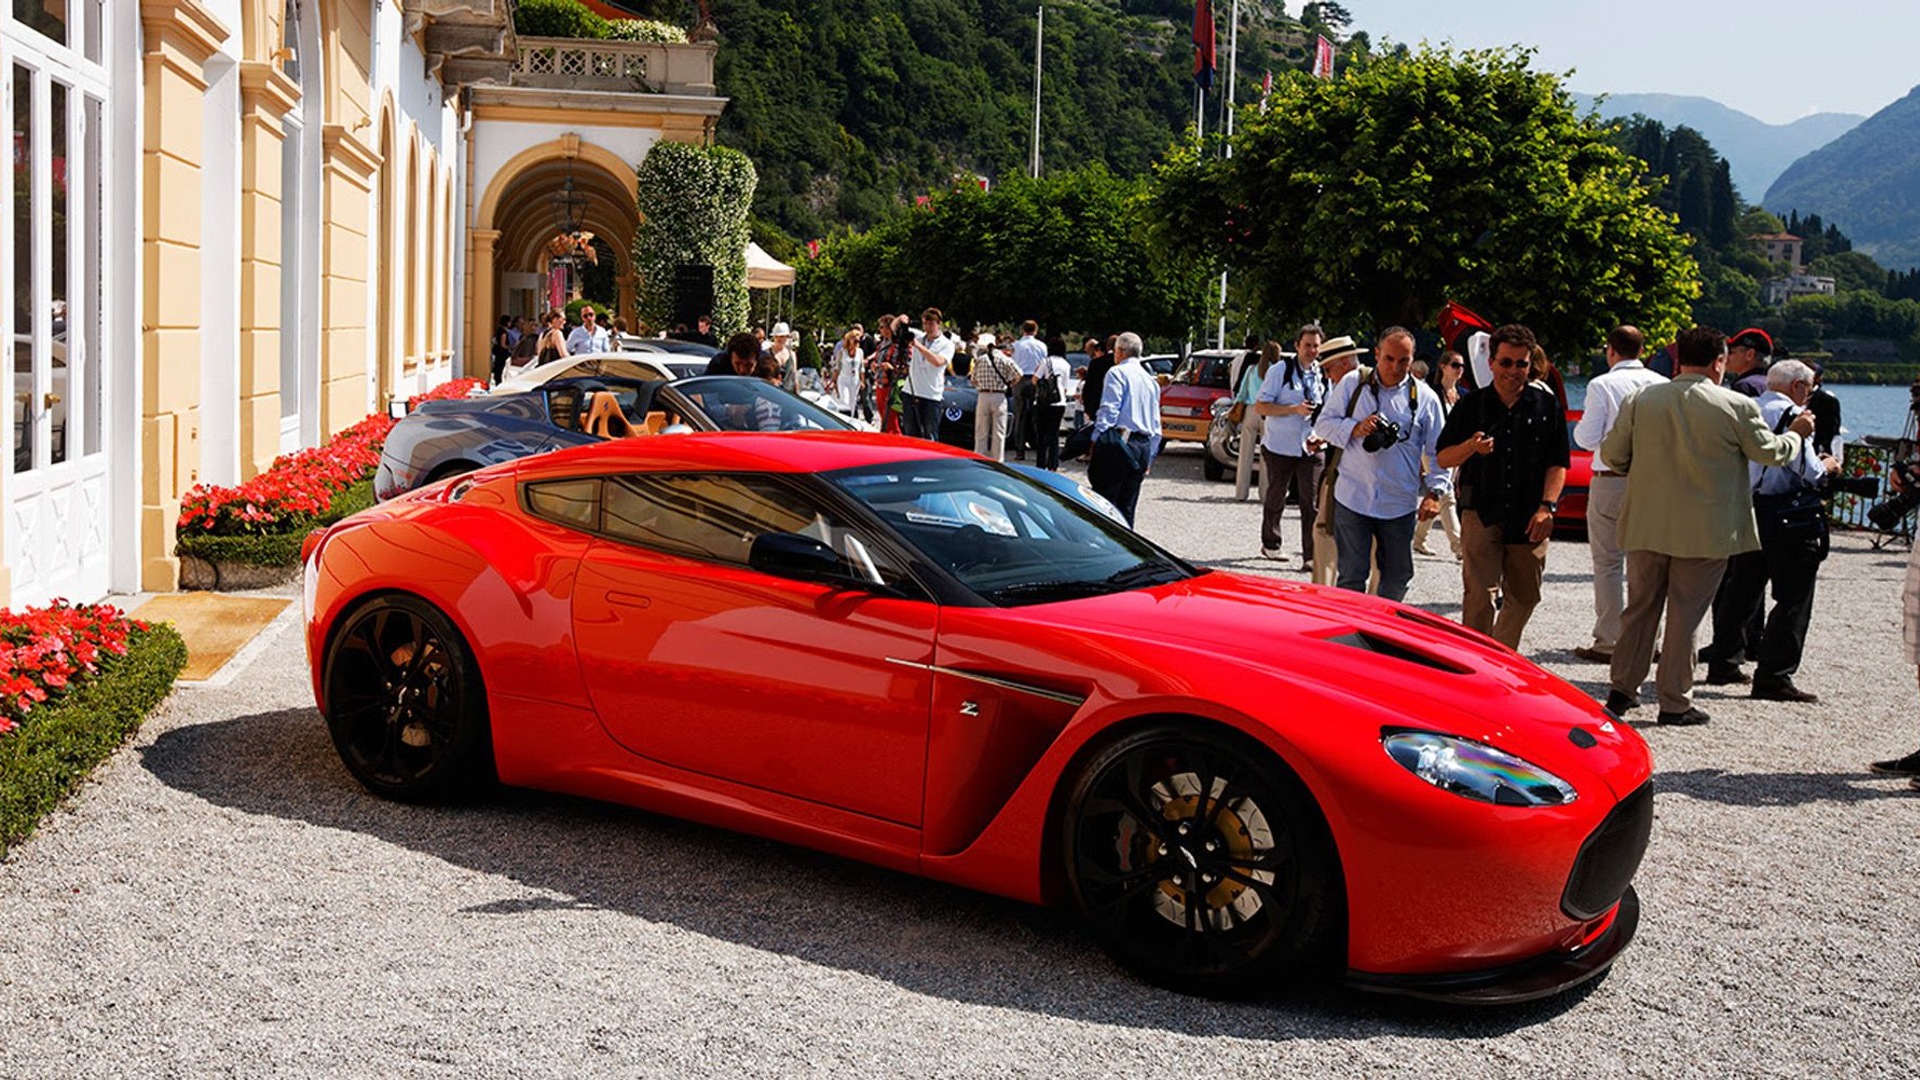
1186, 403
902, 653
1571, 517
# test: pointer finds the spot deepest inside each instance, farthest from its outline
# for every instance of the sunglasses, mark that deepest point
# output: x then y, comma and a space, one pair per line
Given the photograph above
1512, 363
1455, 366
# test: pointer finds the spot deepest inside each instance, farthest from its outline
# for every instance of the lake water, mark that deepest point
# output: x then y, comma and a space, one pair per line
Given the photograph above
1864, 410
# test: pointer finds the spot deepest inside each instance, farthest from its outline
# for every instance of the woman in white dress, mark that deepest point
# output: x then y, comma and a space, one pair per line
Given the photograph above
846, 371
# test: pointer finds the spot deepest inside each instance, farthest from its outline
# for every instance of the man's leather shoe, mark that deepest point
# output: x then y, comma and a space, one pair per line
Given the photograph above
1904, 766
1618, 702
1722, 674
1593, 655
1783, 691
1693, 716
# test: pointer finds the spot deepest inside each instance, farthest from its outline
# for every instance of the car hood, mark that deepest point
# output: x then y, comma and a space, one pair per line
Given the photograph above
1256, 644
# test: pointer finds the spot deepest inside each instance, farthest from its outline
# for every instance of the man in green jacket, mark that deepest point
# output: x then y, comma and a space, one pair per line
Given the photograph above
1689, 507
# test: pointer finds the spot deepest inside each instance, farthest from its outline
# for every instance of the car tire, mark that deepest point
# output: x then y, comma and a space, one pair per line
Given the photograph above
1174, 812
1211, 468
405, 704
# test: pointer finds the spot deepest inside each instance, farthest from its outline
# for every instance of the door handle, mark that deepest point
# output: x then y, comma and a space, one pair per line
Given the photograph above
50, 400
627, 599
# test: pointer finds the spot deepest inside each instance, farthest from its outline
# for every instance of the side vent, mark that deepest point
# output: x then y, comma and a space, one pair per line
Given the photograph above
1374, 643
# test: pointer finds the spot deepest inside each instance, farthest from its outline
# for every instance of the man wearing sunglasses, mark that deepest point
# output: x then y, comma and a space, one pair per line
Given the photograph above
1509, 441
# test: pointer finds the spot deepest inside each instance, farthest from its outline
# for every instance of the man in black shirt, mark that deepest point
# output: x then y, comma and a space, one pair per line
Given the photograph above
738, 358
1098, 364
1509, 441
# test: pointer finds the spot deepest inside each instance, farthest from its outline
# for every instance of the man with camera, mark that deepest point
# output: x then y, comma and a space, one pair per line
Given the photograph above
1509, 441
932, 353
1790, 510
1380, 484
1689, 507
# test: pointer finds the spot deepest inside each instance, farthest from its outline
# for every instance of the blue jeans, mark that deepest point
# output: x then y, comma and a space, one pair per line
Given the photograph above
921, 417
1357, 536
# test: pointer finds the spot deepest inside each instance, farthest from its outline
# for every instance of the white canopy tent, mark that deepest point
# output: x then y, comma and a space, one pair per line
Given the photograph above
767, 276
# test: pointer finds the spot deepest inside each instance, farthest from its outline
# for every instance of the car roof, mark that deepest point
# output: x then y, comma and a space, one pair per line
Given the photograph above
547, 372
731, 451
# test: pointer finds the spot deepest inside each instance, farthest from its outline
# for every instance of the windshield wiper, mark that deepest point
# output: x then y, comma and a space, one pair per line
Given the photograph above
1148, 573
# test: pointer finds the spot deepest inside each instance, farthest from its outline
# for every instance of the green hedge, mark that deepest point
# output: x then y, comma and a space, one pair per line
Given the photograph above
61, 742
277, 549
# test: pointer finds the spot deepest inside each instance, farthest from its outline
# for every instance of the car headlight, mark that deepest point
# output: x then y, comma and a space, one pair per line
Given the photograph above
1475, 770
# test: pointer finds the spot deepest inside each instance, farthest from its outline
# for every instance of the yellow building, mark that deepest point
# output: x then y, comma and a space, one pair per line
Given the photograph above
239, 226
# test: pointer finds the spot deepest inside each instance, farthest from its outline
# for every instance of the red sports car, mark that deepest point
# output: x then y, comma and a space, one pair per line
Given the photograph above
903, 653
1571, 517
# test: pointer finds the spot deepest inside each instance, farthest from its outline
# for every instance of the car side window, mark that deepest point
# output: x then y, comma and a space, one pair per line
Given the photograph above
573, 503
717, 518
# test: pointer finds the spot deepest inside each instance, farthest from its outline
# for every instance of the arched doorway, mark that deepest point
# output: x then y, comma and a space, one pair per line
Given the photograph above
517, 218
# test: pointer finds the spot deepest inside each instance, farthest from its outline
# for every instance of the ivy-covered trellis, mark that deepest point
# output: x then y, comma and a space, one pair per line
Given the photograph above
694, 202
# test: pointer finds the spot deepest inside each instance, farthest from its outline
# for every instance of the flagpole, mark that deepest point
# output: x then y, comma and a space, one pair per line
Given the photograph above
1039, 36
1233, 67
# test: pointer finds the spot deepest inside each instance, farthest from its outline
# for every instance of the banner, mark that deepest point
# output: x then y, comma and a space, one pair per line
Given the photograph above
1204, 61
557, 287
1323, 60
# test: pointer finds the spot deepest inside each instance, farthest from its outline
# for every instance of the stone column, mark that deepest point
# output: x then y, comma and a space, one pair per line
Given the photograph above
346, 184
178, 37
483, 294
266, 95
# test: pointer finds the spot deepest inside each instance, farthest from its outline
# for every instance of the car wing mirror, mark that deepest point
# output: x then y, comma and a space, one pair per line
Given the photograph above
791, 555
399, 407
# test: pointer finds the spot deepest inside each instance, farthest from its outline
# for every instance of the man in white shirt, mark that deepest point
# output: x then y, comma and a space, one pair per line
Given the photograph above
1625, 376
1028, 355
589, 336
1126, 430
927, 378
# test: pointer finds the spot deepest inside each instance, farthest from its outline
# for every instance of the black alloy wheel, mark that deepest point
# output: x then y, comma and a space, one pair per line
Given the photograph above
405, 703
1202, 864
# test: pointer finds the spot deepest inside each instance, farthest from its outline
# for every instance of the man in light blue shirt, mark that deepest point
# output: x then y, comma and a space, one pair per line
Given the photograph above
1380, 493
589, 336
1285, 402
1028, 355
1793, 544
1126, 430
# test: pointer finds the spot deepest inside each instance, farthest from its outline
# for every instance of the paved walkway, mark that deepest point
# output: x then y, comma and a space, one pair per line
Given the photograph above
226, 900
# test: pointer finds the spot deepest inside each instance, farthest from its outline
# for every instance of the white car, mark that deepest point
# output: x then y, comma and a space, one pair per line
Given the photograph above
624, 365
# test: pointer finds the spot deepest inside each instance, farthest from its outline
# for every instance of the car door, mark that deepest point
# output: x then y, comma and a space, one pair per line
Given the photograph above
696, 660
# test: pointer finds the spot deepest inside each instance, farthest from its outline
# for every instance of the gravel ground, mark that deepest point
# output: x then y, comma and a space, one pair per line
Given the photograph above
224, 899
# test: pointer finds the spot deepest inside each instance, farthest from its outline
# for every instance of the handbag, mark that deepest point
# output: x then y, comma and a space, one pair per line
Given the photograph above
1046, 387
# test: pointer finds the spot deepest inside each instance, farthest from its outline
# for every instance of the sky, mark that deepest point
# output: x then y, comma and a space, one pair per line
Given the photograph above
1766, 58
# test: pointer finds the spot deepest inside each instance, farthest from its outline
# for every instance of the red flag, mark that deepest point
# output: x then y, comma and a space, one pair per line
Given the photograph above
1203, 55
1323, 60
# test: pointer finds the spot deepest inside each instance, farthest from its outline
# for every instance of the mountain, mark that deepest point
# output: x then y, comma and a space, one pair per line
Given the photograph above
1757, 150
1867, 182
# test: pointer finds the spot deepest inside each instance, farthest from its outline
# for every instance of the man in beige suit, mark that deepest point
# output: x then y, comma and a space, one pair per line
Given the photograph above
1688, 508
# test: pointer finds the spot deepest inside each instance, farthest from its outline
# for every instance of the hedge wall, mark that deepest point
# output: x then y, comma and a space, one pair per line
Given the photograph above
44, 761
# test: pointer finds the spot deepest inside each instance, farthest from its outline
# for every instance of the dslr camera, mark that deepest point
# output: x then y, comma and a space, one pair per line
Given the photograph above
1384, 434
1887, 515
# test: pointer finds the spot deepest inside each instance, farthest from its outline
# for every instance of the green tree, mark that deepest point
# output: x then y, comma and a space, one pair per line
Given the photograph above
1065, 250
1372, 199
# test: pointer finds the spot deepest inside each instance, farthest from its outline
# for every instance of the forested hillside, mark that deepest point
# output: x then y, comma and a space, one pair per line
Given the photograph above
1757, 151
1865, 181
854, 107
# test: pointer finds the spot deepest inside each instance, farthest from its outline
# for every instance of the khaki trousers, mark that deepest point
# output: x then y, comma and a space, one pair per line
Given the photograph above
1252, 428
1684, 588
990, 425
1605, 496
1490, 567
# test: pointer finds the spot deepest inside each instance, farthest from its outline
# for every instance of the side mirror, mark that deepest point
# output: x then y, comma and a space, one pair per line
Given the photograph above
791, 555
398, 408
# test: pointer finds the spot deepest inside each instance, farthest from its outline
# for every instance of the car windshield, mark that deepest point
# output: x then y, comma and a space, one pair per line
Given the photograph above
1007, 538
736, 403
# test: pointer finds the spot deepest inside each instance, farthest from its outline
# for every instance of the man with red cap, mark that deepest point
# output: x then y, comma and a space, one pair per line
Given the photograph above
1747, 354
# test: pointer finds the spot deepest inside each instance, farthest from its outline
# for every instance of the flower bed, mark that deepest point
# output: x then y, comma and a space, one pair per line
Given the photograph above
74, 683
259, 524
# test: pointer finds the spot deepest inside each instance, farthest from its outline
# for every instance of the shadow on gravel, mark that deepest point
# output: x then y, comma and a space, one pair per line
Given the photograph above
1779, 788
923, 936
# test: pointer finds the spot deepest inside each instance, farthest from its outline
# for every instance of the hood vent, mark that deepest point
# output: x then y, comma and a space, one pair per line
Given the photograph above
1374, 643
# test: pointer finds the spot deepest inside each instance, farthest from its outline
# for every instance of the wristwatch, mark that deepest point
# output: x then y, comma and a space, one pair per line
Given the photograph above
1551, 506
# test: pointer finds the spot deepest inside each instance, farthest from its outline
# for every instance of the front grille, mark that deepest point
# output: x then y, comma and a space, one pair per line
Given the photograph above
1610, 856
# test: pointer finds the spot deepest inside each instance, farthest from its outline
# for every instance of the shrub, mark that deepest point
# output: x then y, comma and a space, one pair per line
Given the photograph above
49, 748
559, 19
694, 202
646, 30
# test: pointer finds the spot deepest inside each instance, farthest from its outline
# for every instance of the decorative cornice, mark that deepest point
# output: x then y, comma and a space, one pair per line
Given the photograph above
265, 88
343, 146
186, 24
